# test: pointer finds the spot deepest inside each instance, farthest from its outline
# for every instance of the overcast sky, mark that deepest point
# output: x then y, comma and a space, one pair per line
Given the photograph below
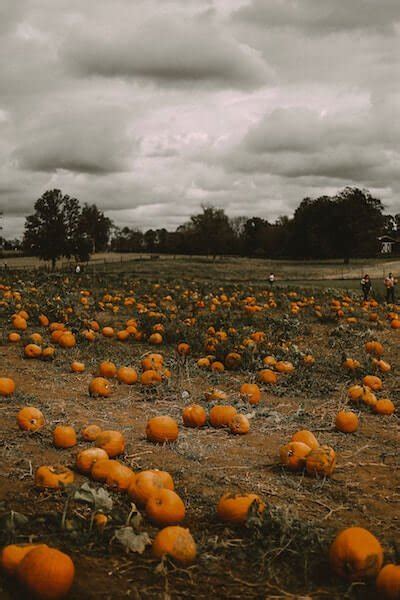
150, 108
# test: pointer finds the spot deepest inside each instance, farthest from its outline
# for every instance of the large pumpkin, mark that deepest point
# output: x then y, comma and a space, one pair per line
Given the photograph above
356, 554
46, 573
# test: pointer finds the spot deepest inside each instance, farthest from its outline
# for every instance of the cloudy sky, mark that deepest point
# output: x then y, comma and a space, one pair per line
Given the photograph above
152, 107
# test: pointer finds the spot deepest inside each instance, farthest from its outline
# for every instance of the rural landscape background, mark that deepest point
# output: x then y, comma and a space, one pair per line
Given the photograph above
199, 386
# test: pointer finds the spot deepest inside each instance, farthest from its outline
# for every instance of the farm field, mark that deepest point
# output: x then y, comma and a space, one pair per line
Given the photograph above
216, 328
226, 268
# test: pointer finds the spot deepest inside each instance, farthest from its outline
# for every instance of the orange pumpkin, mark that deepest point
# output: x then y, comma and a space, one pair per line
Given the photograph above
46, 573
99, 386
127, 375
7, 386
234, 508
85, 459
64, 436
53, 477
162, 429
194, 416
222, 415
355, 392
293, 455
107, 369
144, 485
384, 406
373, 382
306, 437
12, 555
375, 348
239, 424
119, 477
250, 392
32, 351
113, 442
30, 419
176, 542
355, 554
267, 376
150, 377
67, 340
321, 461
346, 421
90, 432
388, 582
77, 367
165, 508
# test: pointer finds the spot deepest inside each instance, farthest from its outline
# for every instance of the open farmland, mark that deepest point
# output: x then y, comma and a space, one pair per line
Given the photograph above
216, 328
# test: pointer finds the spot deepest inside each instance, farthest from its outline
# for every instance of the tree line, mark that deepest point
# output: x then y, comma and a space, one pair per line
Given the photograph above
343, 226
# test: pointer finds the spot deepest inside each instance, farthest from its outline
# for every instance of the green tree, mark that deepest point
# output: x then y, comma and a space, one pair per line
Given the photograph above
96, 225
48, 229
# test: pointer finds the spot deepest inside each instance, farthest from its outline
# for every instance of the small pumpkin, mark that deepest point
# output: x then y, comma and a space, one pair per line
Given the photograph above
346, 421
356, 554
388, 582
373, 382
113, 442
239, 424
321, 461
306, 437
176, 542
234, 508
53, 477
99, 386
222, 415
267, 376
250, 392
77, 367
7, 386
32, 351
194, 416
165, 508
30, 419
127, 375
293, 455
144, 485
85, 459
162, 429
90, 432
107, 369
384, 406
64, 436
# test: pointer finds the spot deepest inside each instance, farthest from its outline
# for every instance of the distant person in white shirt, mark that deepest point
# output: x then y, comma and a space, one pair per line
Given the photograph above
390, 282
77, 269
271, 280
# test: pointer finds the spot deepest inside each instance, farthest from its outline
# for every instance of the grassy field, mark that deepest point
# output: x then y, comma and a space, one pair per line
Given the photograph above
227, 269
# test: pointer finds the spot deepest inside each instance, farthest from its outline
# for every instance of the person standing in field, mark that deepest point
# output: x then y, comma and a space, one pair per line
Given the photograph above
390, 282
271, 280
366, 286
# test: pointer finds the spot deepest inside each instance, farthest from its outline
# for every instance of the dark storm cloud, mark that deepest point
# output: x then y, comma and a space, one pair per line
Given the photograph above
320, 17
169, 49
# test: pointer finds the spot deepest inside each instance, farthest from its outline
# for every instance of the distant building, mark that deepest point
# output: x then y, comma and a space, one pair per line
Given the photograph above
389, 244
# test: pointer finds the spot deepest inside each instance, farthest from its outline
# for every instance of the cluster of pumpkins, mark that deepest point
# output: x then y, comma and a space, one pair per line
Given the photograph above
304, 452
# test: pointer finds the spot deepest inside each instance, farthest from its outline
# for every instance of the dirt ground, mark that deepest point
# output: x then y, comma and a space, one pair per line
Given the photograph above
284, 554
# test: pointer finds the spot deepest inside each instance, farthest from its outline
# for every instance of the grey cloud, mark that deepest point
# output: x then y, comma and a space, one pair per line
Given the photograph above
170, 50
322, 17
94, 140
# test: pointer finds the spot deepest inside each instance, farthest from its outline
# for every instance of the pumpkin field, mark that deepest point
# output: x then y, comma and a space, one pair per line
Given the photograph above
190, 438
